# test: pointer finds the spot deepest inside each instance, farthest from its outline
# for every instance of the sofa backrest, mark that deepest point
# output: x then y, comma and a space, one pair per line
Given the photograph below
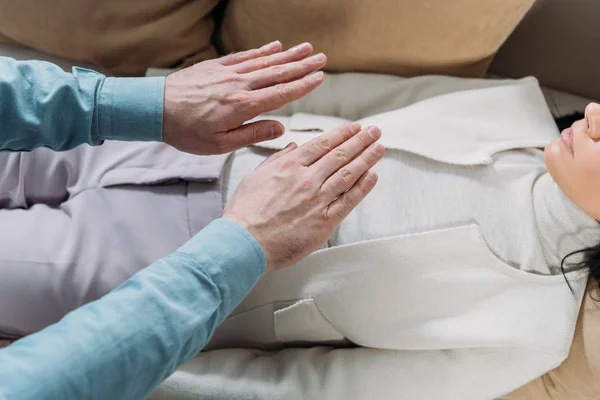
558, 41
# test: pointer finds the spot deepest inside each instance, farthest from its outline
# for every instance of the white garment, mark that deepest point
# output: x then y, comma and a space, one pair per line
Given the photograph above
438, 313
415, 194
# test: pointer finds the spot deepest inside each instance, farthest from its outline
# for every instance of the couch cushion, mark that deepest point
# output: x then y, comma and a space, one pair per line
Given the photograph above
558, 42
124, 37
402, 37
22, 53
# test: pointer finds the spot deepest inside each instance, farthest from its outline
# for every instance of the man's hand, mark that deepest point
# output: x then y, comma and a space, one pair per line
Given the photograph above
295, 199
206, 104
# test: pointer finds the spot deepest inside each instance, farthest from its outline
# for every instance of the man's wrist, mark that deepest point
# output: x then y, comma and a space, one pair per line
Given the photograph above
130, 109
231, 256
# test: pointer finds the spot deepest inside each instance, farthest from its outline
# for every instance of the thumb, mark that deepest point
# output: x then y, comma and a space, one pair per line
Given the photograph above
252, 133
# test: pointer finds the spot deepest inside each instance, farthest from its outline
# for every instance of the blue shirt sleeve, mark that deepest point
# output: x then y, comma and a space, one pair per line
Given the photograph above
41, 105
125, 344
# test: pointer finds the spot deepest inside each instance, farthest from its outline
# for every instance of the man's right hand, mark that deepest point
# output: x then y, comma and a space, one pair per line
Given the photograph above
295, 199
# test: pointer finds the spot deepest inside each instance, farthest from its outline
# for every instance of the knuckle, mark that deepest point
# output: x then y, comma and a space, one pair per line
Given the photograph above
362, 190
255, 133
254, 105
304, 85
250, 54
226, 57
346, 176
231, 78
282, 92
341, 156
279, 73
305, 183
237, 58
262, 62
341, 214
364, 142
347, 201
286, 164
324, 144
308, 63
236, 98
346, 134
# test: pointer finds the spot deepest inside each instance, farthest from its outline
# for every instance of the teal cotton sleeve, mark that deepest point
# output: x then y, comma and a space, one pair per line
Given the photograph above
41, 105
125, 344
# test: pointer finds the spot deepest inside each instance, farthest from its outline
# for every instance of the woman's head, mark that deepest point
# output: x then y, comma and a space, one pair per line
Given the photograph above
573, 160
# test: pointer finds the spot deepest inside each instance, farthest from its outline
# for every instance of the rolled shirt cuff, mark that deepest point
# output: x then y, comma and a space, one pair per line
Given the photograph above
234, 260
131, 109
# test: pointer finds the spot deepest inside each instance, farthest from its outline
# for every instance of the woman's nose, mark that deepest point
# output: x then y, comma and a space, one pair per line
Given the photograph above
592, 120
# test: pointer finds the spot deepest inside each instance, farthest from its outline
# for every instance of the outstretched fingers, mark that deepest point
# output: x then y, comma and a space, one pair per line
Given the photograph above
344, 204
276, 58
285, 73
243, 56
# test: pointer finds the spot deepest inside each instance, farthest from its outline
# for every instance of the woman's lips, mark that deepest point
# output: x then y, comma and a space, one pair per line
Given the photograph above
566, 136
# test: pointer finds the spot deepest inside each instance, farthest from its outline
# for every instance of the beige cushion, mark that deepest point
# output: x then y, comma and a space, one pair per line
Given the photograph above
403, 37
558, 42
578, 377
4, 39
25, 53
125, 37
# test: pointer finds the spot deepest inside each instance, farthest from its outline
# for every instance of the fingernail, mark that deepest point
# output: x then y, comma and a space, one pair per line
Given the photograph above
300, 47
290, 145
318, 75
319, 57
272, 45
276, 131
374, 132
354, 127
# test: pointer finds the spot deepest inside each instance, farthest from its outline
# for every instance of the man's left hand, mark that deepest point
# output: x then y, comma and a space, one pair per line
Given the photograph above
207, 104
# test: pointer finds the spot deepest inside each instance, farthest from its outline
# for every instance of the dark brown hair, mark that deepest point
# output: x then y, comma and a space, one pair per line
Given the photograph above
591, 261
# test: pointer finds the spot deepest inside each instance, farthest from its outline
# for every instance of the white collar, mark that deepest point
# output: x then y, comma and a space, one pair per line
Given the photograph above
563, 227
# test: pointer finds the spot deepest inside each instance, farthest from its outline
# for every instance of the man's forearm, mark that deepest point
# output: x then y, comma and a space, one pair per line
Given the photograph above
41, 105
126, 343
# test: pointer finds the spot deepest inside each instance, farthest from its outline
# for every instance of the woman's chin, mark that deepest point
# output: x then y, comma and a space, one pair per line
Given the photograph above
557, 165
552, 154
